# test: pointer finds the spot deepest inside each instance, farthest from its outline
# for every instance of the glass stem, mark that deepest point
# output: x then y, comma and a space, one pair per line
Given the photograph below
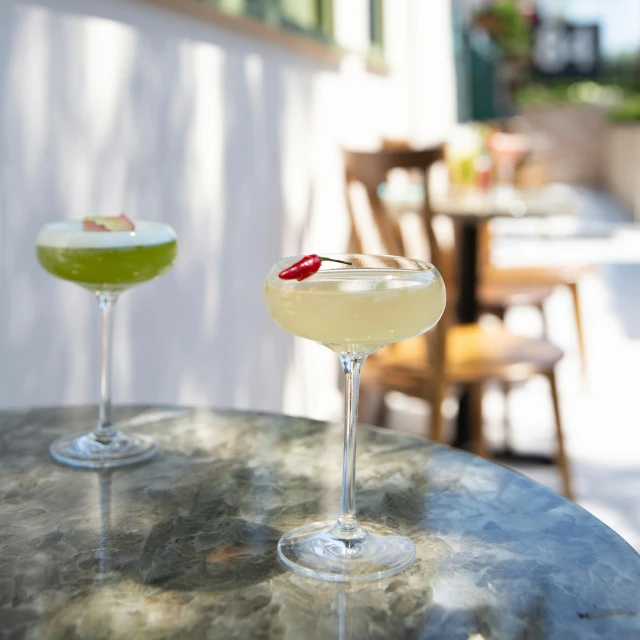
104, 431
347, 527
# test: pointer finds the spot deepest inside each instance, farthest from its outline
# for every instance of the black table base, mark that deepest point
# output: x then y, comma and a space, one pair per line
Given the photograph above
467, 313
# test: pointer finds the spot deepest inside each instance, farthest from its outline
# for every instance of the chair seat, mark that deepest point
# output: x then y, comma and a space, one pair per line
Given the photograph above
496, 295
474, 354
534, 276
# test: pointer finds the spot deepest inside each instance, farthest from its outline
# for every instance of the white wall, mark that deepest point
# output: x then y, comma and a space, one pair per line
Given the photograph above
110, 106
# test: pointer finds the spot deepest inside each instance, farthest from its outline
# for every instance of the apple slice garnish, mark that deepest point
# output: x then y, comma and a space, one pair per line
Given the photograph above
108, 223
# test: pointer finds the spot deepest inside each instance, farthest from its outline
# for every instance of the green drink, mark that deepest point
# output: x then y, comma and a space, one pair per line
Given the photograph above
105, 256
116, 261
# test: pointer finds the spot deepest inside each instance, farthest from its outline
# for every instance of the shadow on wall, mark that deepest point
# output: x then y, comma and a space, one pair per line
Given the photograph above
193, 137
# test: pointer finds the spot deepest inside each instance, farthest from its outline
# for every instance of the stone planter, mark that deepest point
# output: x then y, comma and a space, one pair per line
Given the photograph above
622, 164
571, 140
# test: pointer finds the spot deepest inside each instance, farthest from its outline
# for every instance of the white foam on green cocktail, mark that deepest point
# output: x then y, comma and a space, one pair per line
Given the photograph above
68, 234
357, 310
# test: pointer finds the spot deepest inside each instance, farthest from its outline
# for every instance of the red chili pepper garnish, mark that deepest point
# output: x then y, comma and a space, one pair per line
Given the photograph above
306, 267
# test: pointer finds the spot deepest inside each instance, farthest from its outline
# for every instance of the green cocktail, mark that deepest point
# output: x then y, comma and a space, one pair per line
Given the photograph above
106, 262
117, 260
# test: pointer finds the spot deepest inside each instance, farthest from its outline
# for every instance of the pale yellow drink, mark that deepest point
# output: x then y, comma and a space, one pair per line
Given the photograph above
357, 310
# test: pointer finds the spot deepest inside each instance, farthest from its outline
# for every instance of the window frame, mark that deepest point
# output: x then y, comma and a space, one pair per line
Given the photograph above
311, 43
273, 15
376, 29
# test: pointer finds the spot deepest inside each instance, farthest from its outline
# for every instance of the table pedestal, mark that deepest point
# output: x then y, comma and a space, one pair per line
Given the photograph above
467, 313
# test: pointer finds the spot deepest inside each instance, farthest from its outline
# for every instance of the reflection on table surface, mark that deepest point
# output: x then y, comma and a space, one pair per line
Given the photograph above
184, 546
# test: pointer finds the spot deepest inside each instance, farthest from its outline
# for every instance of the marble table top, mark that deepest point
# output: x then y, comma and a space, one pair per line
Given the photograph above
477, 206
185, 545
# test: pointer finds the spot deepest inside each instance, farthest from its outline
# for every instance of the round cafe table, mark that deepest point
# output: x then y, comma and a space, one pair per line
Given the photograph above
184, 546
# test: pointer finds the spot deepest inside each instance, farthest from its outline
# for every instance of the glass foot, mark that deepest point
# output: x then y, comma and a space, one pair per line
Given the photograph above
313, 551
86, 452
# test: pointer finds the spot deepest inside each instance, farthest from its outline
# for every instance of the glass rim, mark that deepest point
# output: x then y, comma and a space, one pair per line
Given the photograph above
423, 265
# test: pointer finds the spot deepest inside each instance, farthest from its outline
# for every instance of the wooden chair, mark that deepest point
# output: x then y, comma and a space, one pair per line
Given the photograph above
530, 278
496, 296
427, 366
520, 278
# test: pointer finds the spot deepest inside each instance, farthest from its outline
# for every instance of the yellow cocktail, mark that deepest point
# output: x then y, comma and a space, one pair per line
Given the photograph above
352, 308
357, 310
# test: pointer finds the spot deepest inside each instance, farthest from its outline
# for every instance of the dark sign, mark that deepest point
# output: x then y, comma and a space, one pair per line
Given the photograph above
563, 50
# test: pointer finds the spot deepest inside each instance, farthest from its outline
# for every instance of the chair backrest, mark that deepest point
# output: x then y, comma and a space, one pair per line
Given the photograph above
371, 169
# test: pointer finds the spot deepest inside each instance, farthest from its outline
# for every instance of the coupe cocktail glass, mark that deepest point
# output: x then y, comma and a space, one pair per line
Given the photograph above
353, 310
106, 264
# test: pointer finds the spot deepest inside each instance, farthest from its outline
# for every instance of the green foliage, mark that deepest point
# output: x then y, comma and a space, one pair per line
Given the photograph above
573, 93
507, 26
627, 111
624, 105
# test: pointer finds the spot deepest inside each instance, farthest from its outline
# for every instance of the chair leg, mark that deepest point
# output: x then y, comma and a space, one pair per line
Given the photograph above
382, 414
545, 323
435, 426
573, 287
475, 402
561, 460
368, 403
506, 424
